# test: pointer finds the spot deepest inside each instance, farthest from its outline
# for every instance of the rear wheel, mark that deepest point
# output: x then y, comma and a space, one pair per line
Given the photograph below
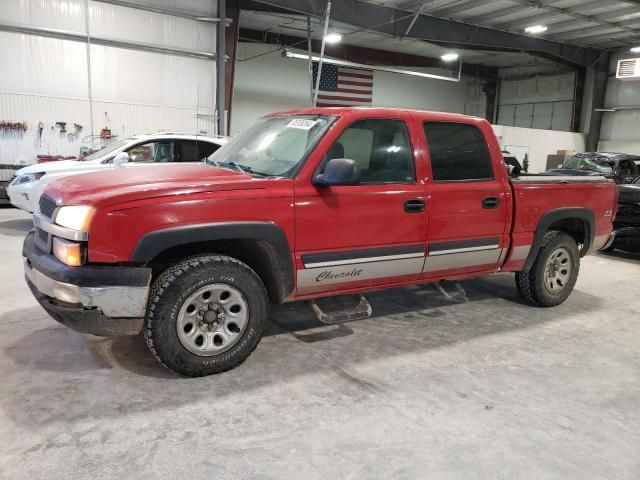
553, 275
206, 315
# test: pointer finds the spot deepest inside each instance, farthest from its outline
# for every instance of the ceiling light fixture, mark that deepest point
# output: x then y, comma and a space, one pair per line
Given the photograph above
333, 38
450, 57
345, 63
635, 50
535, 29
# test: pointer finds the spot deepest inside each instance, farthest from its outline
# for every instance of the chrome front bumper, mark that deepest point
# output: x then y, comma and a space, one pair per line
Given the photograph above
112, 301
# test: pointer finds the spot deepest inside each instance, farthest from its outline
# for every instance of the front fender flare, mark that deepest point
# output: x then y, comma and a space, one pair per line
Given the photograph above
153, 243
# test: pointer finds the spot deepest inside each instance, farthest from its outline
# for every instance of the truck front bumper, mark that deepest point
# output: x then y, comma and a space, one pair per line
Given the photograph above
100, 300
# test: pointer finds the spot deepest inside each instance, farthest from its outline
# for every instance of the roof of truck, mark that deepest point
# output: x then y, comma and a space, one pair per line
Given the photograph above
377, 111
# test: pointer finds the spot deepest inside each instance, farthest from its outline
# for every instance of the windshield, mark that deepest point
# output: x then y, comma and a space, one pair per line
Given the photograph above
591, 164
273, 146
112, 147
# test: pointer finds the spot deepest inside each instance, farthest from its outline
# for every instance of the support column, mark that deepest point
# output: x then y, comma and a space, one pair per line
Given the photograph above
599, 89
220, 64
231, 50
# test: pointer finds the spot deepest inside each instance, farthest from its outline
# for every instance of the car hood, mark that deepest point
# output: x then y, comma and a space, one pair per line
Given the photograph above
120, 184
59, 166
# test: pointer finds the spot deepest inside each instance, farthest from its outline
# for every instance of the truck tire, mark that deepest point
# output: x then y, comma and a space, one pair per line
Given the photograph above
205, 315
553, 275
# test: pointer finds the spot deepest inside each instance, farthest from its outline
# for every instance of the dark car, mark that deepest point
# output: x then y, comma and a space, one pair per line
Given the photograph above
620, 167
627, 221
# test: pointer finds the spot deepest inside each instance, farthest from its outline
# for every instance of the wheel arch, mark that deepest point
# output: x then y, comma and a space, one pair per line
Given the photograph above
262, 246
578, 222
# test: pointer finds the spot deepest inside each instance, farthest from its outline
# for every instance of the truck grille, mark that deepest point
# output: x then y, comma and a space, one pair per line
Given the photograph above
47, 206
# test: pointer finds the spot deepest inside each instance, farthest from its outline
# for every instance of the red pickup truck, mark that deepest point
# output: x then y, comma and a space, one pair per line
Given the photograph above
303, 204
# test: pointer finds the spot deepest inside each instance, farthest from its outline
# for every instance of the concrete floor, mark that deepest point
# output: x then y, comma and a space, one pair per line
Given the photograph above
426, 388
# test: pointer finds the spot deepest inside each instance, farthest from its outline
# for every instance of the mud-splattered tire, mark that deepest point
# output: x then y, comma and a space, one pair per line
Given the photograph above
554, 272
198, 305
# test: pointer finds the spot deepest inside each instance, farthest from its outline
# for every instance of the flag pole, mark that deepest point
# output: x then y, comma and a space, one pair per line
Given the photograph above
324, 36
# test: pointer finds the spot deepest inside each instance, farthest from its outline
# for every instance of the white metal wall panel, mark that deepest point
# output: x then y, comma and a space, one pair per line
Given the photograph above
40, 65
142, 77
122, 23
623, 125
118, 23
56, 14
45, 79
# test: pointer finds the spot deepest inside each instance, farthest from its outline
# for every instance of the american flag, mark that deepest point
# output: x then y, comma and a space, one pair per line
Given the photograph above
343, 86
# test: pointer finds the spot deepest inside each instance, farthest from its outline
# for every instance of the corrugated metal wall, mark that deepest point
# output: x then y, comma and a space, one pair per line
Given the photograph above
620, 131
542, 102
44, 80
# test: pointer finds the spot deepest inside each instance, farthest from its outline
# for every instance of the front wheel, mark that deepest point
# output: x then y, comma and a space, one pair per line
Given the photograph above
205, 315
553, 275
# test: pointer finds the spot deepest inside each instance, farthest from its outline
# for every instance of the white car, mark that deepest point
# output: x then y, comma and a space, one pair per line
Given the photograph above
25, 189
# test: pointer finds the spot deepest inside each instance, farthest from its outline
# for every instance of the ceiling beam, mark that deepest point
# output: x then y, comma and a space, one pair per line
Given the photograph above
364, 55
454, 34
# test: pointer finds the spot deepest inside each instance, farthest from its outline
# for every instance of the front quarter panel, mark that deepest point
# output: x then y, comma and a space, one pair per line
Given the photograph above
116, 230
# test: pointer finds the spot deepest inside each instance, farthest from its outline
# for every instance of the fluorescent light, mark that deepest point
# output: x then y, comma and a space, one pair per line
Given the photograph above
533, 29
345, 63
635, 50
333, 38
450, 57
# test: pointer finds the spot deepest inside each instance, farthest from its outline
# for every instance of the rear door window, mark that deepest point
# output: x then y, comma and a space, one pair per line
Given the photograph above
458, 152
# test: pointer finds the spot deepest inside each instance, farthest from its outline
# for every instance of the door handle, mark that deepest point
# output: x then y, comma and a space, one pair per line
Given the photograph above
490, 202
415, 205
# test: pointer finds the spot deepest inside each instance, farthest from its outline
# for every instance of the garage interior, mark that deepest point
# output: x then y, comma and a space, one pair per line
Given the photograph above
430, 385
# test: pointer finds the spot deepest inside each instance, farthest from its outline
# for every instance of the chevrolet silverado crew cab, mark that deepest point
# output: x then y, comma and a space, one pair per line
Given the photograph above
303, 204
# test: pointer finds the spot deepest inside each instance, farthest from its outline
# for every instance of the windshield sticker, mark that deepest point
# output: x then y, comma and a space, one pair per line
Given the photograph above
301, 123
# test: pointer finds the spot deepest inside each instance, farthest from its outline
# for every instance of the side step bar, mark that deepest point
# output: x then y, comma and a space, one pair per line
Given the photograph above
360, 311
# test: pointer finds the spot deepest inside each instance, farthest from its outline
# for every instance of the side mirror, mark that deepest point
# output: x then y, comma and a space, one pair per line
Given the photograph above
119, 159
339, 171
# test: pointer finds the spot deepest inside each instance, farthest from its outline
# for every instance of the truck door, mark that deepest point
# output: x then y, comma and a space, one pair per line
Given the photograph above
372, 233
469, 203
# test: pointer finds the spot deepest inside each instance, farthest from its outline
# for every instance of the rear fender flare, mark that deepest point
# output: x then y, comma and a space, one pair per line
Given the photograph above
551, 217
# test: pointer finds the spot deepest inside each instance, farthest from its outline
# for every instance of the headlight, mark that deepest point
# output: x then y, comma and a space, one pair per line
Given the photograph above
75, 217
28, 178
68, 252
